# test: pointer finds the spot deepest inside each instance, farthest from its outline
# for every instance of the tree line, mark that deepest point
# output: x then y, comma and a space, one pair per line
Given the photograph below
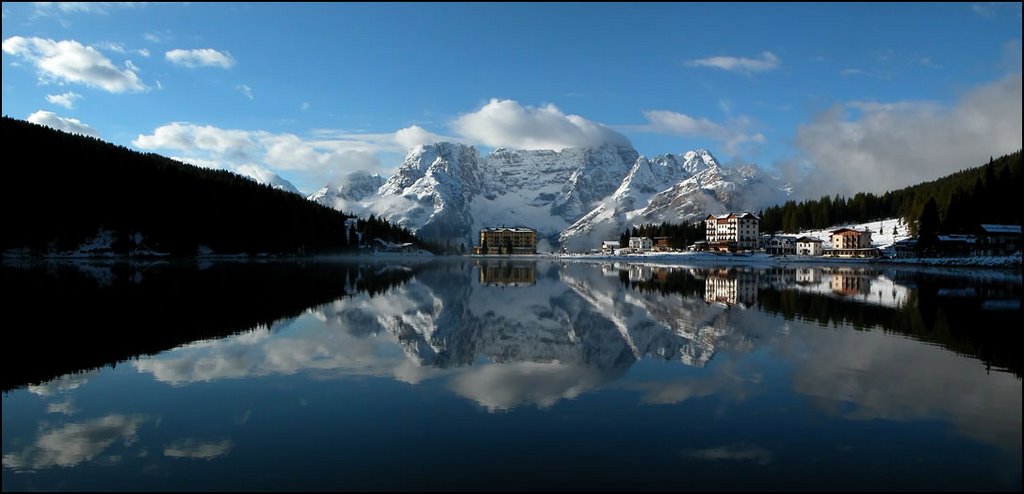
679, 235
958, 203
64, 189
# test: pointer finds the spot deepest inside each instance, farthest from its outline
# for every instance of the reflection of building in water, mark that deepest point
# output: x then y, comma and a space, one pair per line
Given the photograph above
508, 273
640, 272
847, 282
731, 287
808, 276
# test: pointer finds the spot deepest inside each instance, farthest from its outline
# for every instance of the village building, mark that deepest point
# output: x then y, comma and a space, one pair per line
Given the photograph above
849, 242
998, 240
609, 247
641, 244
779, 245
808, 246
732, 232
507, 241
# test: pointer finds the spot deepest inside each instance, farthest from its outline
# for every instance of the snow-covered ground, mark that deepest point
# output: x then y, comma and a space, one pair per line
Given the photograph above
884, 233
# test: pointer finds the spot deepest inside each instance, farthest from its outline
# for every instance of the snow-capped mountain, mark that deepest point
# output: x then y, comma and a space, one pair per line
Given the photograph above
580, 196
674, 189
346, 194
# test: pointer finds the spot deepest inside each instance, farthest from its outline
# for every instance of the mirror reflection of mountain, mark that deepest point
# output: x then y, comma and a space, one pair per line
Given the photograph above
593, 358
77, 315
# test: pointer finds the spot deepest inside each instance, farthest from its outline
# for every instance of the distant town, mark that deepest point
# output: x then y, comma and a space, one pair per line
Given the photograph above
739, 233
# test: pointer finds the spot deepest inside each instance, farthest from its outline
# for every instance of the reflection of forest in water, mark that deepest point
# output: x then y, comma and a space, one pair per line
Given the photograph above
78, 316
967, 312
72, 316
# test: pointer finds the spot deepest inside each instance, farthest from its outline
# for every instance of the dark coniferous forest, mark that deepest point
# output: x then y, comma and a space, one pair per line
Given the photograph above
958, 203
63, 190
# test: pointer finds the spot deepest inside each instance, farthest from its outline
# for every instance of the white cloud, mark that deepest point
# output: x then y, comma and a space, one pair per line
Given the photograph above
143, 52
322, 159
152, 37
71, 61
46, 8
768, 61
506, 123
201, 57
69, 125
874, 147
245, 90
304, 106
731, 135
67, 100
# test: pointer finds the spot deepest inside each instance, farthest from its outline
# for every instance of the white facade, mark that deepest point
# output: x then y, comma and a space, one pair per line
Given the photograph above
641, 244
609, 246
733, 231
807, 246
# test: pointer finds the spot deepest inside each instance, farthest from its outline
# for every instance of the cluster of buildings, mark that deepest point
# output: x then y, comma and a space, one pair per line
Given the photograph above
740, 231
988, 240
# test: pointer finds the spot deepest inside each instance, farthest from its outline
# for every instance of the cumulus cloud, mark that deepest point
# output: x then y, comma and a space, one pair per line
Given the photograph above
201, 57
69, 125
67, 100
324, 158
768, 61
732, 135
874, 147
71, 61
506, 123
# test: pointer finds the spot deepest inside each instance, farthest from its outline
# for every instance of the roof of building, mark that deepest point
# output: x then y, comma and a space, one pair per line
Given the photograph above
614, 243
739, 214
970, 239
808, 239
990, 228
854, 230
510, 229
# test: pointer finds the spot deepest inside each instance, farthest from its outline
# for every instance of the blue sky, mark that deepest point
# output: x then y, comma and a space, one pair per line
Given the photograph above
836, 97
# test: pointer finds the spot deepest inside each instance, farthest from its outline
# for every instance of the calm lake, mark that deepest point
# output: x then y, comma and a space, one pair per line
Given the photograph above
468, 374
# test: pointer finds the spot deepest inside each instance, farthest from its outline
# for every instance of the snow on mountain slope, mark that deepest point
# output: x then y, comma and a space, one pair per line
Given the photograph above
448, 192
698, 186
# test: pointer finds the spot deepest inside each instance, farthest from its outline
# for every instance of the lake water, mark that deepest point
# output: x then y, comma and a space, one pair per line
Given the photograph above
509, 375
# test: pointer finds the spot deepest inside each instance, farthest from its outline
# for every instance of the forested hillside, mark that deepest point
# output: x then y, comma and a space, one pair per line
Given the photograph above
984, 194
64, 190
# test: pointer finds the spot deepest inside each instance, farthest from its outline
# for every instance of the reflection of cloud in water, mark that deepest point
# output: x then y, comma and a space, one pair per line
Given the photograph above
195, 449
61, 384
740, 452
506, 386
65, 407
903, 380
680, 390
326, 349
75, 443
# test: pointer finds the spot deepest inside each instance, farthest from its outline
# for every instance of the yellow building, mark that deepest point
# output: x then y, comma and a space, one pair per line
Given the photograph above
503, 240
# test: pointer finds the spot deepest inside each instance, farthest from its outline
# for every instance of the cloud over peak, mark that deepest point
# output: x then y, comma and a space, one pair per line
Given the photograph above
200, 57
506, 123
71, 61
